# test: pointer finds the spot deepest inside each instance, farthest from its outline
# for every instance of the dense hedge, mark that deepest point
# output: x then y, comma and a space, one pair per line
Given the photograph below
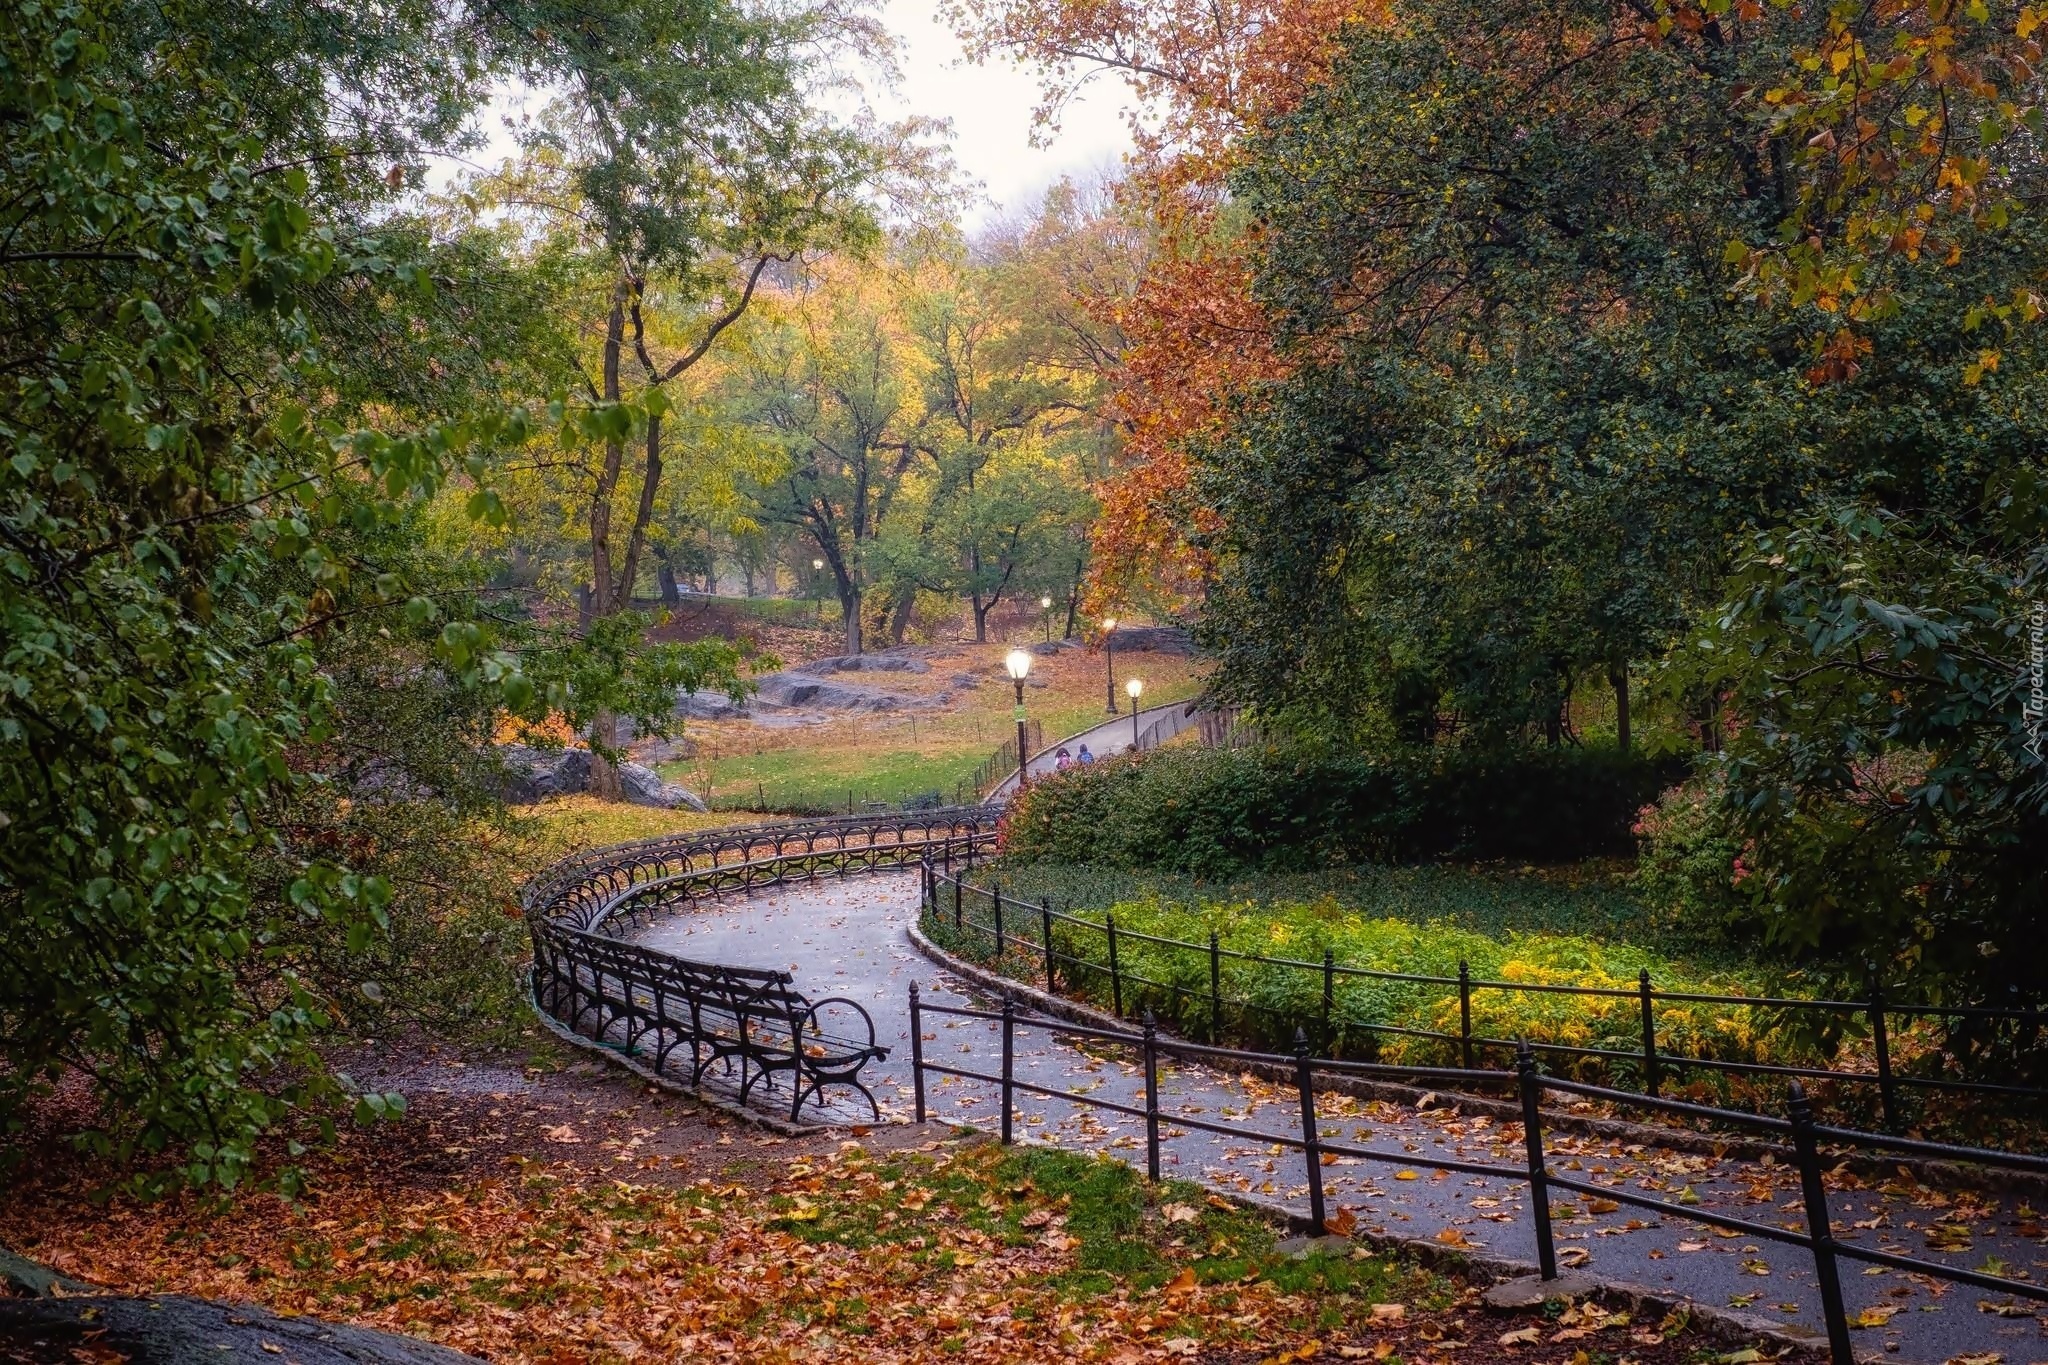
1216, 812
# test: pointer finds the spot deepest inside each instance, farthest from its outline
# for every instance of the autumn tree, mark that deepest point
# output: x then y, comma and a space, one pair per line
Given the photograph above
701, 162
1003, 438
828, 380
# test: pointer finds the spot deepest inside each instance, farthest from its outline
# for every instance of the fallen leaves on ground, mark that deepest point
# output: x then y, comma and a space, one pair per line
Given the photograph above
965, 1252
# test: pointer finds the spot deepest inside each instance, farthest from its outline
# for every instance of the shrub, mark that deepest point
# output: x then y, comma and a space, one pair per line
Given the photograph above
1264, 1002
1689, 868
1214, 812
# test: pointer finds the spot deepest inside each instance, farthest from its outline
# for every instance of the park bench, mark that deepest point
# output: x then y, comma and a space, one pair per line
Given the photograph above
752, 1017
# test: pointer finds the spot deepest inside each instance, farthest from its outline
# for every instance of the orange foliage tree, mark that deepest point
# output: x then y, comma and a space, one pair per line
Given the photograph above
1899, 126
1205, 72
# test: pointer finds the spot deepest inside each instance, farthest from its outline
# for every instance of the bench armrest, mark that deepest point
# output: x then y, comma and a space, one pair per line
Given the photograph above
810, 1022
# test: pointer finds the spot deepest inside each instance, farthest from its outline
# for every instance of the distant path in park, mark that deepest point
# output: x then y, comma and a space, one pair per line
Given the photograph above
847, 937
1155, 725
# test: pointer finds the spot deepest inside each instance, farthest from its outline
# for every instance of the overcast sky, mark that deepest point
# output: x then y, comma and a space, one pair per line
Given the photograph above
990, 109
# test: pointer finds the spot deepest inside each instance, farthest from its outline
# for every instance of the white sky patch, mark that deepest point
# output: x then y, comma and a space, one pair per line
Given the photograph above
990, 109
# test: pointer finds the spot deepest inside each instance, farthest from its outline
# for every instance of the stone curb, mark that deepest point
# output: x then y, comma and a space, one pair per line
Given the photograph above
1722, 1324
675, 1087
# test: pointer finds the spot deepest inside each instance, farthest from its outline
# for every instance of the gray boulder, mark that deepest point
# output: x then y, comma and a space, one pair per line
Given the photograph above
171, 1329
22, 1278
655, 751
791, 688
707, 706
864, 663
642, 786
535, 774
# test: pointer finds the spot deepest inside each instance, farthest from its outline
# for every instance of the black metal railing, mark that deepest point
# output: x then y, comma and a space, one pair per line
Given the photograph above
983, 915
1000, 764
595, 984
1798, 1126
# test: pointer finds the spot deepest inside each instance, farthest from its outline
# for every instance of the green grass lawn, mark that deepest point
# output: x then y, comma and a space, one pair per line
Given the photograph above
892, 757
1575, 926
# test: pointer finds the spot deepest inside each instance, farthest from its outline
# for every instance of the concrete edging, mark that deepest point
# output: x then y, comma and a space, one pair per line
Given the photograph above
675, 1087
1722, 1324
1935, 1174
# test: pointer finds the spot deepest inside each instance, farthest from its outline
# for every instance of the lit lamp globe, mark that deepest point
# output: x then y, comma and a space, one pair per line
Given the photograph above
1018, 664
1045, 603
1133, 688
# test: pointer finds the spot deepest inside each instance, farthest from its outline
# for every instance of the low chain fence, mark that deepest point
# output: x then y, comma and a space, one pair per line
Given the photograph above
1185, 981
1798, 1127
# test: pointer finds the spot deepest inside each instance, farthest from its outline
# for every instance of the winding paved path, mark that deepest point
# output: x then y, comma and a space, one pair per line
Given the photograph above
847, 938
1156, 725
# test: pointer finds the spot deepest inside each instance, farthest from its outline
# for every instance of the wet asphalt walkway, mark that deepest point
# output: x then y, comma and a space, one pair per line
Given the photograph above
846, 938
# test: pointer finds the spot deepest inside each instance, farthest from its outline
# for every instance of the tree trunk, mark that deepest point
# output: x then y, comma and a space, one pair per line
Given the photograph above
1618, 676
665, 574
604, 775
899, 616
980, 620
602, 575
849, 615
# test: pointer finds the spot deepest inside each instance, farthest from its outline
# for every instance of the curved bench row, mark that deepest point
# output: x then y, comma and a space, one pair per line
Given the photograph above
661, 1008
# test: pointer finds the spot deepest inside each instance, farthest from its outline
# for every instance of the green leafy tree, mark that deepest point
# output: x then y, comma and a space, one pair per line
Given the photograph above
237, 370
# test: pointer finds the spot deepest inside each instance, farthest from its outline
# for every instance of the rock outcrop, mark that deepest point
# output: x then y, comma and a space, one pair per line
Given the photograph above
642, 786
535, 774
793, 689
865, 663
42, 1310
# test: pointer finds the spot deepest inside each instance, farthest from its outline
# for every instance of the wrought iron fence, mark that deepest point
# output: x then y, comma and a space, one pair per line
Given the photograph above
1001, 763
1798, 1126
1053, 936
590, 980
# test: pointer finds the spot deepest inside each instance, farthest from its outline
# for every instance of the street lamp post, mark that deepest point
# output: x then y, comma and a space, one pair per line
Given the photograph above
817, 585
1109, 658
1132, 689
1018, 664
1045, 608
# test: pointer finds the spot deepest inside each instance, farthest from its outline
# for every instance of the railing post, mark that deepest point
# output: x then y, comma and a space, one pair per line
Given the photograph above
1649, 1035
958, 923
1329, 990
917, 1052
1045, 927
995, 906
1465, 1012
1215, 989
1151, 1097
1532, 1146
1818, 1227
1311, 1140
1116, 978
1009, 1051
1887, 1088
